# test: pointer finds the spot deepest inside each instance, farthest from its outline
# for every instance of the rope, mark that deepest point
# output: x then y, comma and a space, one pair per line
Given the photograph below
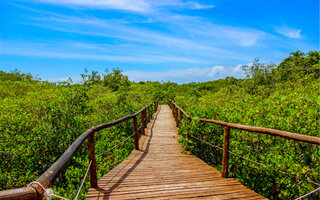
207, 143
84, 178
114, 146
48, 193
274, 168
179, 120
308, 194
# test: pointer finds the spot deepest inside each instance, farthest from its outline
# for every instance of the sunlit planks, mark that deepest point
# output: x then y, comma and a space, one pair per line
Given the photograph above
160, 171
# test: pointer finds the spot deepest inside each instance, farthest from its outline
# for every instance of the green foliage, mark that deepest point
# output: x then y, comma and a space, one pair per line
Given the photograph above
40, 120
264, 99
92, 79
297, 66
116, 80
16, 75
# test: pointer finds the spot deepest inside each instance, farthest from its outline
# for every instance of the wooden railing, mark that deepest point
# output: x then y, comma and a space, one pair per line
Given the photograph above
178, 114
48, 177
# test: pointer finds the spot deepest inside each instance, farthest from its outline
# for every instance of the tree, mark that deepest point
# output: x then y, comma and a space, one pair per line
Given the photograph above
298, 65
260, 73
92, 79
116, 80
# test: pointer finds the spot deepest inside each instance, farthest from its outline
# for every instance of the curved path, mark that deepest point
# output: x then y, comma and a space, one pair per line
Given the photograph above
160, 171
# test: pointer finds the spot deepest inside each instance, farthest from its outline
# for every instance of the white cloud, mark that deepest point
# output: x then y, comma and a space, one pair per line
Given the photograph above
184, 39
243, 37
194, 5
187, 75
289, 32
112, 29
237, 70
75, 79
130, 5
198, 74
240, 36
73, 51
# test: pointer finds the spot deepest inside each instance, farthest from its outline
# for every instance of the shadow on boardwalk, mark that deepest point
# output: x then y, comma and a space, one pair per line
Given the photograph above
160, 171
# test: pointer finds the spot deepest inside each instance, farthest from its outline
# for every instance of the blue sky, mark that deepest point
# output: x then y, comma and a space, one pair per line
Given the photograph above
175, 40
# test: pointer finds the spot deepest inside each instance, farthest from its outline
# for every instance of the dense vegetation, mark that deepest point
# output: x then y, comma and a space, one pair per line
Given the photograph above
39, 120
284, 97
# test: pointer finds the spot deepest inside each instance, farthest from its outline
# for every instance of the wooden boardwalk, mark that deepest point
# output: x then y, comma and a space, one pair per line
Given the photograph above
160, 171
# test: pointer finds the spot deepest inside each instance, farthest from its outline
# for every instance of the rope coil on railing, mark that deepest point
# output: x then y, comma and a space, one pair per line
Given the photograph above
48, 193
255, 162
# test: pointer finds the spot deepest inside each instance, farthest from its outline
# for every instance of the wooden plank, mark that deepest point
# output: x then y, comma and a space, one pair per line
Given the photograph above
160, 171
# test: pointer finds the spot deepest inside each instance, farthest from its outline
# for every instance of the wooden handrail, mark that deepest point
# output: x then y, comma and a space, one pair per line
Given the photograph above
227, 125
269, 131
48, 177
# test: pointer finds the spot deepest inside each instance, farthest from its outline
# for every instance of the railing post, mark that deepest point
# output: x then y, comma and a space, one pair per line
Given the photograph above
225, 152
173, 109
155, 106
143, 131
135, 131
177, 117
92, 157
175, 113
187, 130
181, 116
145, 118
149, 114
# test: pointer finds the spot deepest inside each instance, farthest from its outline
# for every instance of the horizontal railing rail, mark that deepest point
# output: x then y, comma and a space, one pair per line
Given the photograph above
178, 114
49, 176
275, 132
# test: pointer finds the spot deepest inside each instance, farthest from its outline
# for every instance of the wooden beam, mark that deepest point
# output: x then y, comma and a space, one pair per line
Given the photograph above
143, 131
135, 131
92, 158
225, 159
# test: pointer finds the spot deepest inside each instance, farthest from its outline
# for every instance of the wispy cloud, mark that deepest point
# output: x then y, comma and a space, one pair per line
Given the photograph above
75, 79
187, 75
136, 36
244, 37
75, 51
289, 32
113, 29
196, 5
129, 5
180, 38
198, 74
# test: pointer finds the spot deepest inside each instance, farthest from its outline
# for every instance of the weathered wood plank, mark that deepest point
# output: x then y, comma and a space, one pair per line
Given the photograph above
160, 171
